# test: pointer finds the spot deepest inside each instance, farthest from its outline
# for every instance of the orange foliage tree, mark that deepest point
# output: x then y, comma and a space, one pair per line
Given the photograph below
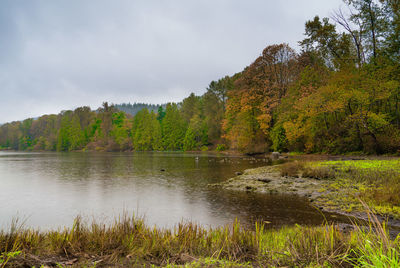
256, 94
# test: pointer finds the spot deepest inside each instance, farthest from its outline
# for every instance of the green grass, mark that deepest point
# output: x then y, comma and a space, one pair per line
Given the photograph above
129, 242
377, 182
382, 165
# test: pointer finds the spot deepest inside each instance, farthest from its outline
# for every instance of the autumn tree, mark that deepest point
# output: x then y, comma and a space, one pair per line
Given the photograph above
257, 93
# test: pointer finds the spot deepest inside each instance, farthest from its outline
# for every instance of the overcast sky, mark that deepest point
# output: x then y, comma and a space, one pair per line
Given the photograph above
62, 54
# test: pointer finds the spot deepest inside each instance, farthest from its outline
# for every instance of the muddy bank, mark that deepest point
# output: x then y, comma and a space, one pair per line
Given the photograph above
334, 196
269, 180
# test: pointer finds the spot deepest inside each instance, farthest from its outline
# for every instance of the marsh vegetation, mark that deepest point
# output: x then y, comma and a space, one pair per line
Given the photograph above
376, 181
129, 242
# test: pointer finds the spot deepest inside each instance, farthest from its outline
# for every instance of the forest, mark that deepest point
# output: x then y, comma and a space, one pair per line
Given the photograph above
340, 93
134, 108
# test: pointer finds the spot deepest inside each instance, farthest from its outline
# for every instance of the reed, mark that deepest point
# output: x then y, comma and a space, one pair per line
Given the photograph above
129, 242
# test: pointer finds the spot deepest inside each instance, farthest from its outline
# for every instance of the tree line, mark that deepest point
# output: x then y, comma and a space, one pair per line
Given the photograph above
340, 93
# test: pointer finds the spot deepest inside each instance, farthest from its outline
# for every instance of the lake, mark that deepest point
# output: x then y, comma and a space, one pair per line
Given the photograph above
48, 190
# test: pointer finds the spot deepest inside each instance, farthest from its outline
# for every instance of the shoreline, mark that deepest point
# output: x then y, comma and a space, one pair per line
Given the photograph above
292, 155
130, 242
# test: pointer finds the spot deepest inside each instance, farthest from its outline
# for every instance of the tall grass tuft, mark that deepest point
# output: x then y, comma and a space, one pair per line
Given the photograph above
292, 169
374, 246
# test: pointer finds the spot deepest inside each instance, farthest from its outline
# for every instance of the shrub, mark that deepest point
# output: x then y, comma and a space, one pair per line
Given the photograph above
204, 148
292, 169
220, 147
319, 172
279, 140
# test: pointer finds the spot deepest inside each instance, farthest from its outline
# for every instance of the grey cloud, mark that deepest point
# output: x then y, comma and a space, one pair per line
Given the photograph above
62, 54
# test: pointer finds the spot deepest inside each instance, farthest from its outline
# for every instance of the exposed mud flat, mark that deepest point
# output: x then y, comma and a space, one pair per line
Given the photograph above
269, 180
321, 193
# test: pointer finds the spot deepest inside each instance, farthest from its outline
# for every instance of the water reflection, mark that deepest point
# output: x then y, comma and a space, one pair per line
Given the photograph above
50, 189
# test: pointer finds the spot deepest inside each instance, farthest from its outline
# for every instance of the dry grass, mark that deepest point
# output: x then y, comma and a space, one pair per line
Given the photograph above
384, 186
292, 169
320, 173
128, 242
378, 184
374, 246
301, 168
375, 181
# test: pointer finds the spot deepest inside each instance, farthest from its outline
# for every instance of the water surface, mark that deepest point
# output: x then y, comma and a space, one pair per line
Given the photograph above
48, 190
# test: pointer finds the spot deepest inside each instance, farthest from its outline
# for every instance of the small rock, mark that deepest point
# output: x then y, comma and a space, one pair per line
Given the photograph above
70, 262
186, 258
275, 155
265, 180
